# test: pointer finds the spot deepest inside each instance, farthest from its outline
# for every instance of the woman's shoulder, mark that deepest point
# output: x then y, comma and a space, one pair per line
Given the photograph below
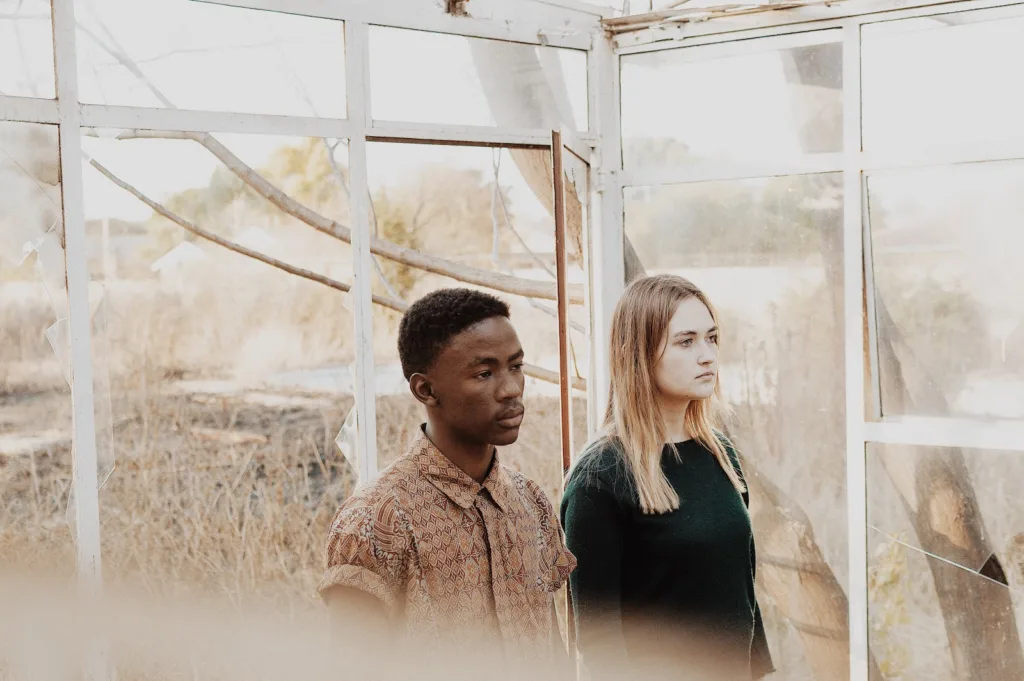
730, 449
600, 466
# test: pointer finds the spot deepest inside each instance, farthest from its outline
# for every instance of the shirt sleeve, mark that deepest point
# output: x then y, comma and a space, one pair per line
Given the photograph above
593, 527
367, 549
557, 560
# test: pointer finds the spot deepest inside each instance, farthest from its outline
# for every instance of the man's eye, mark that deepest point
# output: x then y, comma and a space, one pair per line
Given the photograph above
517, 367
484, 374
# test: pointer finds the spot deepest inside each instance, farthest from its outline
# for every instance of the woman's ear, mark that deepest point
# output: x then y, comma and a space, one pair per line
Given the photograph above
423, 390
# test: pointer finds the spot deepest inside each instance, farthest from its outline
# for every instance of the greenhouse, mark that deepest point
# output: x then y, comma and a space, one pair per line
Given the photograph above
214, 213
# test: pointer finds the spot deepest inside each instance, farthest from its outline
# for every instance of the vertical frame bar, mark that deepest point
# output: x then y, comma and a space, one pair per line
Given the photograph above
558, 151
77, 273
607, 220
873, 372
76, 267
853, 301
561, 277
356, 66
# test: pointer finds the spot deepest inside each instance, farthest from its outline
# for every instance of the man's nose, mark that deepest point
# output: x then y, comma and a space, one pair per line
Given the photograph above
511, 387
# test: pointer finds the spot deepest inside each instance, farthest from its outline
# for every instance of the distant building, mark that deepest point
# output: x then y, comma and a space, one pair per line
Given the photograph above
171, 263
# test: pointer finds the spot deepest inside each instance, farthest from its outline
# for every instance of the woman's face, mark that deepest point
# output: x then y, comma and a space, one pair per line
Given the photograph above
688, 367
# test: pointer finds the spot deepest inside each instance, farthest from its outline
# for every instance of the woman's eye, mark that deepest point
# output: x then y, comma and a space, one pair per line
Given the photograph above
713, 340
686, 343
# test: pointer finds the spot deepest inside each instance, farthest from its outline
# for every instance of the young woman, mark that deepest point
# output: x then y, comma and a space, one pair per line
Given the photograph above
655, 511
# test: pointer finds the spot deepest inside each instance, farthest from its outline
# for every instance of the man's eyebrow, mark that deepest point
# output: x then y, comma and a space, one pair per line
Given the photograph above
487, 360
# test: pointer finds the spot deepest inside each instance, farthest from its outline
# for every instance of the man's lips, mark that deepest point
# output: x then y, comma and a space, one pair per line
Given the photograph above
511, 419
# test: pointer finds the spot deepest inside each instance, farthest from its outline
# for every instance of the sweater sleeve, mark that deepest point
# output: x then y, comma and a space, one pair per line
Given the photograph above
593, 527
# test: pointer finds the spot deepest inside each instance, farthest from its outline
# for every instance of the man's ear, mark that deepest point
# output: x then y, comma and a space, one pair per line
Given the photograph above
423, 390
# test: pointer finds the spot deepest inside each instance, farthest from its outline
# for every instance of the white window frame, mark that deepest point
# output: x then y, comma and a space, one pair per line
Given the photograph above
566, 24
556, 23
862, 428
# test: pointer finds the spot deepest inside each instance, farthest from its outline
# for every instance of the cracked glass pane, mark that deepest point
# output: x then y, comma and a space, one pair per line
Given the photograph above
942, 80
224, 370
472, 81
203, 56
946, 562
26, 49
747, 100
768, 253
489, 210
945, 243
35, 396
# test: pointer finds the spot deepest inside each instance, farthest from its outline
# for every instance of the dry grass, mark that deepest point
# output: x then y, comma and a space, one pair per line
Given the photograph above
222, 494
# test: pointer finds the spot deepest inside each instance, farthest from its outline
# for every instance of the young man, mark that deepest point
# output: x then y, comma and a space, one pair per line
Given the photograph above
448, 546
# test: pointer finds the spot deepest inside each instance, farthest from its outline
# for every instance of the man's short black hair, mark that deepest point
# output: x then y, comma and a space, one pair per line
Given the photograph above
433, 320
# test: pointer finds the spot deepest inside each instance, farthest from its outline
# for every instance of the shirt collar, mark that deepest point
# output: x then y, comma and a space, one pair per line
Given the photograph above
453, 482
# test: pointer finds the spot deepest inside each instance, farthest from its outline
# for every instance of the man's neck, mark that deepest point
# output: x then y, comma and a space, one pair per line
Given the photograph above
473, 459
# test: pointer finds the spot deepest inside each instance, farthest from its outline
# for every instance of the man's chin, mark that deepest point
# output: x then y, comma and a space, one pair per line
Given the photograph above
503, 437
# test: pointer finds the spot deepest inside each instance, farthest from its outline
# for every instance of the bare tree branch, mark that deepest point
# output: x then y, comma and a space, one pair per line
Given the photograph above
407, 256
400, 306
390, 303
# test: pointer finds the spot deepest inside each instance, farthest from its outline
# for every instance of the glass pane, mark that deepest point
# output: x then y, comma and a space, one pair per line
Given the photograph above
577, 184
756, 99
489, 209
948, 287
433, 78
942, 79
768, 253
221, 421
195, 55
946, 564
35, 397
26, 49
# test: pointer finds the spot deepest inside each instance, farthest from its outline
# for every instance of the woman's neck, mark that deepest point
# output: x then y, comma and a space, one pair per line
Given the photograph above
673, 414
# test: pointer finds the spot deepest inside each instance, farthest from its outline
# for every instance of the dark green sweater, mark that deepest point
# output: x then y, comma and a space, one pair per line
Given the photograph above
657, 594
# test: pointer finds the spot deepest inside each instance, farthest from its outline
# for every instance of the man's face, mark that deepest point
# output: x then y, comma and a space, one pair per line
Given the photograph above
477, 381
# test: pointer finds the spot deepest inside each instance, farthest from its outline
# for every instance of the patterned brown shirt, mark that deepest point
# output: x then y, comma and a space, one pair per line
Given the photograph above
448, 556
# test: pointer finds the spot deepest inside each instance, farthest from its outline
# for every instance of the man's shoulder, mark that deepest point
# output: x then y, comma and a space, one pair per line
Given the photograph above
380, 501
528, 489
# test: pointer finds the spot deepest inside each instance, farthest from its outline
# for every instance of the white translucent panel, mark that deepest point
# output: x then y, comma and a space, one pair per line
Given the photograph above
768, 254
945, 253
945, 79
434, 78
26, 49
755, 99
223, 436
945, 568
196, 55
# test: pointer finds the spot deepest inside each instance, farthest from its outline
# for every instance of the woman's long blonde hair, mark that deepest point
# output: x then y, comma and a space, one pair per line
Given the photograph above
633, 420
